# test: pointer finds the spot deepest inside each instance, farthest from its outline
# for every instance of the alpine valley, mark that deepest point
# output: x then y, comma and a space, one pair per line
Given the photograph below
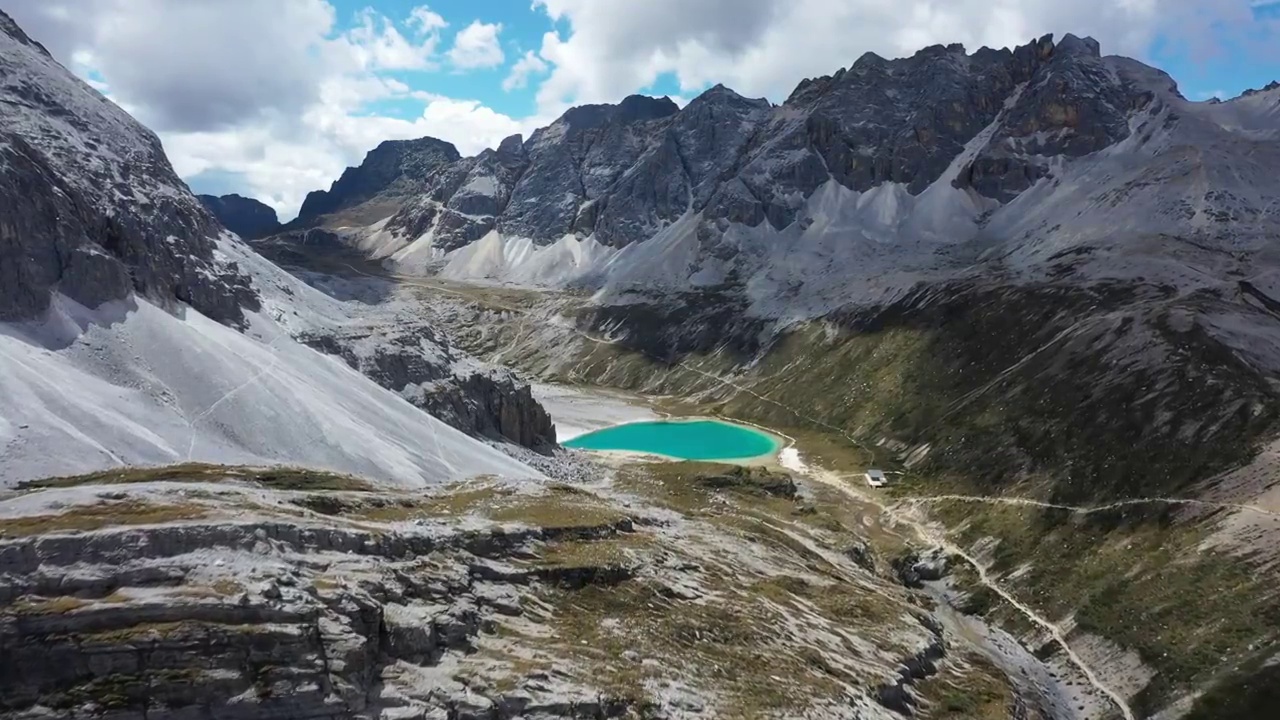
255, 470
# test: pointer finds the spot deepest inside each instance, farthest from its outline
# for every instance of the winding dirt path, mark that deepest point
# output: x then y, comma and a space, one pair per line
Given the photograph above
1085, 509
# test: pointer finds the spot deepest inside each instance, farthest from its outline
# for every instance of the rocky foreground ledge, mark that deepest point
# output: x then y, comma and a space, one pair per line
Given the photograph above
668, 591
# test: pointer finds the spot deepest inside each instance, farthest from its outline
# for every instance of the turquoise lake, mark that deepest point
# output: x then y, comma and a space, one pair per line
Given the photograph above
687, 440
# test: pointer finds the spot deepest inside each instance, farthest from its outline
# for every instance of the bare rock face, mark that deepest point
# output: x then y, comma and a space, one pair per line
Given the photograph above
243, 216
621, 173
395, 167
492, 405
553, 185
269, 640
463, 201
417, 362
1075, 107
89, 205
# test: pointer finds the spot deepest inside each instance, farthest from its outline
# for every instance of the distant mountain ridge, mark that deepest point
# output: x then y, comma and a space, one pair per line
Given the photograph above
394, 169
922, 160
1049, 220
246, 217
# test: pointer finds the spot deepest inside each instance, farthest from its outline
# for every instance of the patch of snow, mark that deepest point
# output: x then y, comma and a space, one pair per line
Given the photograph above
481, 185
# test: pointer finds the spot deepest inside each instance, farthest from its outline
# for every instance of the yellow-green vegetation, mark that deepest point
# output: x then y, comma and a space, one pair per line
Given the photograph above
220, 589
1248, 694
967, 688
150, 631
559, 507
124, 691
997, 394
856, 382
695, 488
102, 515
622, 550
1137, 577
554, 506
832, 518
275, 478
1050, 401
762, 638
31, 605
729, 645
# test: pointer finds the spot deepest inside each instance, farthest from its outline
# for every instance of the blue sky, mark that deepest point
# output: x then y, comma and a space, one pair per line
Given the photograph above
274, 98
522, 30
523, 26
1222, 69
1227, 68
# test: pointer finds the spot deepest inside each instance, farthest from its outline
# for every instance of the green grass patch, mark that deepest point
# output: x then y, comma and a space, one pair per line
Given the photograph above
84, 518
275, 478
1127, 576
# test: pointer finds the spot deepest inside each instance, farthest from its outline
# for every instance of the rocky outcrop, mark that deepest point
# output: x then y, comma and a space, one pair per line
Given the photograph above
899, 695
914, 569
195, 591
758, 480
395, 168
327, 623
417, 362
246, 217
463, 201
1075, 107
89, 205
490, 405
550, 186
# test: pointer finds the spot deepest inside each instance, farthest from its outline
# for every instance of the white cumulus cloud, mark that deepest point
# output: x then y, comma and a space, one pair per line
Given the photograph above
528, 65
276, 94
377, 44
765, 47
476, 46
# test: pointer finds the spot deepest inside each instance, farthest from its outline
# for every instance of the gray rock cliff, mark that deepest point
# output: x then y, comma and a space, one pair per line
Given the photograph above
622, 173
89, 204
395, 168
243, 216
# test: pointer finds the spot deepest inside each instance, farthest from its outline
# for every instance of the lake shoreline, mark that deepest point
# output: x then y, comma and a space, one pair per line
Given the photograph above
638, 438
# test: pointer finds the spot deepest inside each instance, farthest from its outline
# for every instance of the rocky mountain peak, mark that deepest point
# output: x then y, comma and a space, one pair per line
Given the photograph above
723, 96
243, 216
867, 61
1273, 85
1073, 45
512, 145
10, 28
638, 108
394, 167
397, 150
993, 124
937, 51
92, 208
633, 108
